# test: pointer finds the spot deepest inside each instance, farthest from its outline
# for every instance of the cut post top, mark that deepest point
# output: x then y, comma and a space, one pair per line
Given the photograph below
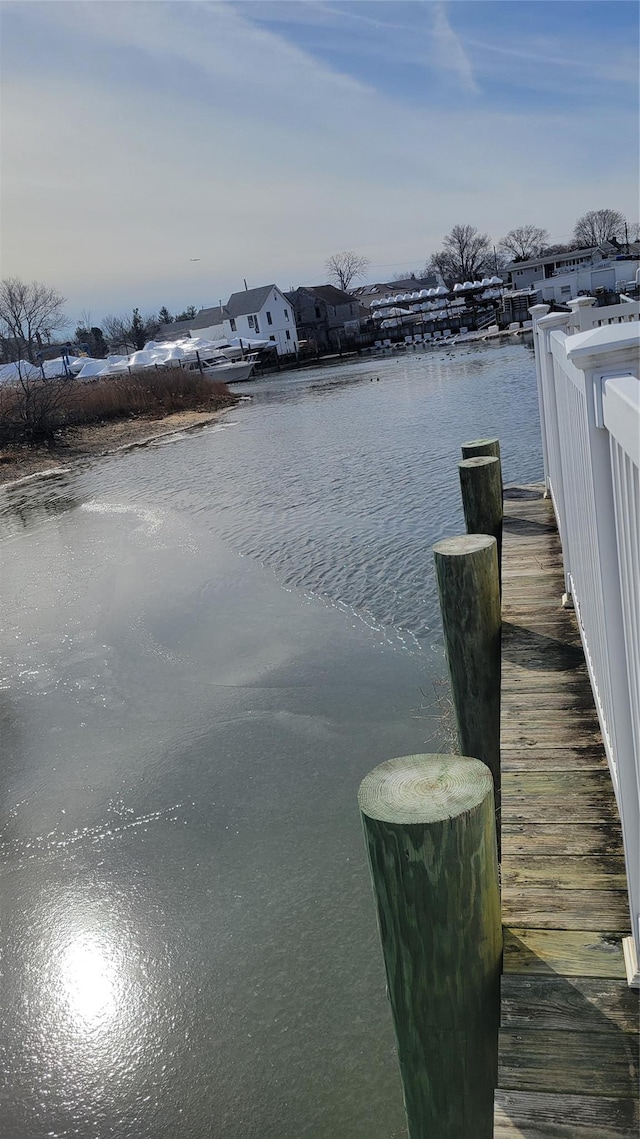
419, 789
480, 461
489, 446
463, 545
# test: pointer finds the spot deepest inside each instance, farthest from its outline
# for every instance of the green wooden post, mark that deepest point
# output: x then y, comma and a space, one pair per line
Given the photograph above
477, 447
430, 835
467, 576
481, 486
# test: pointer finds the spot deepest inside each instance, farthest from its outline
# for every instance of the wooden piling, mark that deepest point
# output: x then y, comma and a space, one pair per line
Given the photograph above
467, 576
478, 447
481, 486
430, 835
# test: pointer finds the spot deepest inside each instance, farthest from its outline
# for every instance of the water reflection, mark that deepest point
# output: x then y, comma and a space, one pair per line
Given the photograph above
84, 977
89, 981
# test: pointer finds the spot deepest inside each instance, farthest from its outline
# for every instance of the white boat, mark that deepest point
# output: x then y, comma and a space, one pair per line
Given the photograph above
218, 367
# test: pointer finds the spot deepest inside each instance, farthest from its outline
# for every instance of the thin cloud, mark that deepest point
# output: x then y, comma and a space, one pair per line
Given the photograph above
186, 130
450, 53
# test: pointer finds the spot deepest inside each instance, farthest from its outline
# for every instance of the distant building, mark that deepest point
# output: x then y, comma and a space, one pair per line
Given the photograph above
252, 314
208, 324
262, 314
325, 316
564, 276
175, 330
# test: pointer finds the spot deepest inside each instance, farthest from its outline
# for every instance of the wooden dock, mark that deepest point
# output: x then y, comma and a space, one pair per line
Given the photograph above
569, 1022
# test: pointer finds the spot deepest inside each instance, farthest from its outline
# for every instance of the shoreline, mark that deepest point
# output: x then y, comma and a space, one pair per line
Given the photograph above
94, 441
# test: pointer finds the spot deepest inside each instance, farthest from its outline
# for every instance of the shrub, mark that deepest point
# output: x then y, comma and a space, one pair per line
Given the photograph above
34, 410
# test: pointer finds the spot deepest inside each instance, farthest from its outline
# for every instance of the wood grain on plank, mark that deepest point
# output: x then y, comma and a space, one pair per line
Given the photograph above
573, 953
516, 758
560, 838
558, 796
576, 1004
566, 909
574, 1062
540, 1115
564, 872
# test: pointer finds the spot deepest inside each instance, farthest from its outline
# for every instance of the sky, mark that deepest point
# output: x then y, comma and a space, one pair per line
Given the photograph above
156, 152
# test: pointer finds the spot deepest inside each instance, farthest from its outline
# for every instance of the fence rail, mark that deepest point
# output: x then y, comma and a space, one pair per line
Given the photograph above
589, 395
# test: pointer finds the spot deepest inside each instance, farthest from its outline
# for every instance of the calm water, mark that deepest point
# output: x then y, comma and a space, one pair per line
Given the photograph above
206, 645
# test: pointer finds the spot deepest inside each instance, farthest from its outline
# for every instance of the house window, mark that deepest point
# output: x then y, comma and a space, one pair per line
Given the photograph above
318, 313
250, 319
286, 313
255, 324
288, 334
269, 320
272, 338
233, 324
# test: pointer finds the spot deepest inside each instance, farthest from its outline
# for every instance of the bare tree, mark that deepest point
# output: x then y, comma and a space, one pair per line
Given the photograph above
343, 268
523, 242
597, 226
466, 255
29, 313
117, 330
129, 333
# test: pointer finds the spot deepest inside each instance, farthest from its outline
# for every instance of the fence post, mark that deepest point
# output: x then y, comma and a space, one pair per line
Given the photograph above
583, 315
467, 576
481, 486
430, 835
537, 312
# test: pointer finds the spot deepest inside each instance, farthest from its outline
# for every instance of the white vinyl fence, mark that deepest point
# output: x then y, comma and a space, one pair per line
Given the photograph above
589, 392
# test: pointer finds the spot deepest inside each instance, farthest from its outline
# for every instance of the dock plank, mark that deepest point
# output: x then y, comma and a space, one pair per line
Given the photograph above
562, 872
574, 1062
566, 909
524, 839
556, 796
553, 759
569, 953
569, 1023
579, 1004
541, 1115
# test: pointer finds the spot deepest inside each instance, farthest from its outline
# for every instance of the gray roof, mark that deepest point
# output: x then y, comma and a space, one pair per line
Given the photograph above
247, 301
413, 283
174, 330
330, 295
208, 317
542, 258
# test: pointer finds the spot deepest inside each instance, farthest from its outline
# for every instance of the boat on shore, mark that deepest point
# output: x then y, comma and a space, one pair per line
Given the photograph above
219, 367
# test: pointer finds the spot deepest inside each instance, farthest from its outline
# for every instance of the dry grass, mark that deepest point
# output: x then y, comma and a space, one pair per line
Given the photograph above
37, 411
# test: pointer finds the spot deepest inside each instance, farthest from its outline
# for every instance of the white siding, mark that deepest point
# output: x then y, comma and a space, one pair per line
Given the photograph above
282, 322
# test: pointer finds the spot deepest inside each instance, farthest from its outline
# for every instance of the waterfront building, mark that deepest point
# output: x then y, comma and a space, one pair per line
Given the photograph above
561, 277
251, 314
326, 316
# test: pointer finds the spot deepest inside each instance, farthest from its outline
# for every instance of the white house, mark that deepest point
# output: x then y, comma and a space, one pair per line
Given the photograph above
262, 314
563, 276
